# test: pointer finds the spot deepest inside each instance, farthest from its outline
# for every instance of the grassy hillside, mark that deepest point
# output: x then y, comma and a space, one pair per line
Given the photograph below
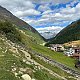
10, 58
10, 61
15, 43
74, 43
11, 33
6, 15
13, 60
70, 33
32, 45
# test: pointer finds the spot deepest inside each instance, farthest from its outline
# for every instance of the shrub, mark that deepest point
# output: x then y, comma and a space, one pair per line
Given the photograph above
10, 31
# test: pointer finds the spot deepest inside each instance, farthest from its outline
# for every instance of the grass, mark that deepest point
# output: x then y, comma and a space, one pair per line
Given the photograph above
34, 36
57, 56
7, 60
53, 68
7, 75
60, 57
44, 75
30, 40
74, 43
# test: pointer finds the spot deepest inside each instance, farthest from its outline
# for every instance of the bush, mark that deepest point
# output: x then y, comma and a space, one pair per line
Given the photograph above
10, 31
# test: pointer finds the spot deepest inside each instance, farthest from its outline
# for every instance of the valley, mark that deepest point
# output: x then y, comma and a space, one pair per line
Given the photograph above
24, 56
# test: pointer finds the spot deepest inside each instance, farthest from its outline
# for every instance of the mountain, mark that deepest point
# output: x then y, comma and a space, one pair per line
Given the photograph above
17, 43
23, 56
16, 61
48, 35
72, 43
70, 33
6, 15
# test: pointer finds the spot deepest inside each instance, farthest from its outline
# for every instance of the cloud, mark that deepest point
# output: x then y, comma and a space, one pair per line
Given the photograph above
72, 3
43, 12
49, 32
44, 29
39, 22
47, 12
27, 8
55, 29
44, 7
64, 14
30, 12
19, 8
51, 1
17, 4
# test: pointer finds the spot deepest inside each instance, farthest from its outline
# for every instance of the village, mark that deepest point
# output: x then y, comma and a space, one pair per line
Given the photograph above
70, 51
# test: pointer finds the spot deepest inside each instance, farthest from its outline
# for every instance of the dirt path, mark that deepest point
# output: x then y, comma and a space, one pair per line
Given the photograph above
62, 66
27, 55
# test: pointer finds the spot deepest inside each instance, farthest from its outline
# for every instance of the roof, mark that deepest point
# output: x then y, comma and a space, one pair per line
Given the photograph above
56, 45
76, 55
76, 47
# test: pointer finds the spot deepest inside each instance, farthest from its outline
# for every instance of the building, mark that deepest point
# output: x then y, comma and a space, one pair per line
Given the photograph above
77, 50
57, 47
76, 55
74, 51
69, 52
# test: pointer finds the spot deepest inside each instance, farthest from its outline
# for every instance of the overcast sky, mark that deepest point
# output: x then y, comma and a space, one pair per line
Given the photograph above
45, 15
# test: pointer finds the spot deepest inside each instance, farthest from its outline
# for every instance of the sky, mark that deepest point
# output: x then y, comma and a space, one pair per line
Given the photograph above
46, 16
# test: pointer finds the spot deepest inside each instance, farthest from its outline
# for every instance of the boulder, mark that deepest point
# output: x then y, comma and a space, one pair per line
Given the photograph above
26, 77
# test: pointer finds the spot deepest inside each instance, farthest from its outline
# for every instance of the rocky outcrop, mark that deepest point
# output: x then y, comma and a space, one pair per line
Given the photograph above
26, 77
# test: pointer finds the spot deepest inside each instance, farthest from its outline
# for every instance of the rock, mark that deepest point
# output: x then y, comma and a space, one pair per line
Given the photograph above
24, 60
26, 77
78, 78
16, 74
14, 69
23, 69
33, 79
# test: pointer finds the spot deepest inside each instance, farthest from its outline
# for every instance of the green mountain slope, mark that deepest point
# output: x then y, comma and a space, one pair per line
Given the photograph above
16, 59
6, 15
70, 33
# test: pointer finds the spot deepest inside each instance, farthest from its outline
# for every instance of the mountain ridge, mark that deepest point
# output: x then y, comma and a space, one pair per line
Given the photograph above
20, 56
69, 33
6, 15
